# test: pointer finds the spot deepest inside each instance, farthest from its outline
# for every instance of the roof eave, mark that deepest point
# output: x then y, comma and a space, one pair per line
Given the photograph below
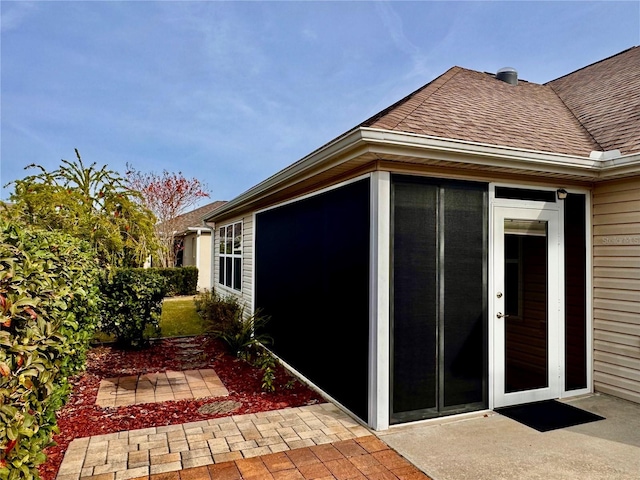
189, 230
624, 166
363, 140
461, 151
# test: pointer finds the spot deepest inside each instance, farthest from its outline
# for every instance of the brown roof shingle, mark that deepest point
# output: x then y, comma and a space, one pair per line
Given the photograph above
473, 106
605, 97
194, 218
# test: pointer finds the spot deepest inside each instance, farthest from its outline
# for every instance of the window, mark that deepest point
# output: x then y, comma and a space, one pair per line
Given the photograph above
230, 256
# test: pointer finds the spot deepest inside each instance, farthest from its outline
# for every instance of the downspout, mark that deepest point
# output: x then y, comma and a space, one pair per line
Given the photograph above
198, 257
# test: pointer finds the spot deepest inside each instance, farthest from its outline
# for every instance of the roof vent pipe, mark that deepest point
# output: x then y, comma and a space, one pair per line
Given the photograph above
508, 75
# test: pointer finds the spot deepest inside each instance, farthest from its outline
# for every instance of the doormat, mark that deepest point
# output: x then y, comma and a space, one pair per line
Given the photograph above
548, 415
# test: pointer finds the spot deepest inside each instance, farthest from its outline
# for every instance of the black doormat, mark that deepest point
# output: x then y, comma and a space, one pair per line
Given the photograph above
548, 415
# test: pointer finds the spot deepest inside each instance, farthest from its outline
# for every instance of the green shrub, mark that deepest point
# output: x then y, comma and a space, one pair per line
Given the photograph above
180, 280
189, 280
216, 310
132, 301
49, 303
243, 336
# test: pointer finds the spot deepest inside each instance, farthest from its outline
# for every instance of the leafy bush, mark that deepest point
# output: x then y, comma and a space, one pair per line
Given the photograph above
49, 303
267, 364
132, 301
180, 280
243, 335
218, 311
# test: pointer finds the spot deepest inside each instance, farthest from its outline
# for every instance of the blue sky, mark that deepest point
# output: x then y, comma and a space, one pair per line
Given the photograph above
232, 92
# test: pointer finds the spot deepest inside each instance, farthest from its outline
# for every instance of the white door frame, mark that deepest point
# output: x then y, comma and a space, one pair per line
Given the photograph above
525, 210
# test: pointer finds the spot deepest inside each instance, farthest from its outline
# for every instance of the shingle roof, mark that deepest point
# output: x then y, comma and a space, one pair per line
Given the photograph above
194, 218
605, 97
595, 108
473, 106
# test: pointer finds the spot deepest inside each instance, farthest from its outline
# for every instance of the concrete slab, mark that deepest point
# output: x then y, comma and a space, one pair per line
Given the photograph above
494, 447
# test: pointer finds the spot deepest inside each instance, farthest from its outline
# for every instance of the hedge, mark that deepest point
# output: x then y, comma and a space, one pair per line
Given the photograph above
132, 302
49, 309
180, 280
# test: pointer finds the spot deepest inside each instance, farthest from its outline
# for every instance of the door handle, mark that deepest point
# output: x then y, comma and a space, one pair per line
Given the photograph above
501, 315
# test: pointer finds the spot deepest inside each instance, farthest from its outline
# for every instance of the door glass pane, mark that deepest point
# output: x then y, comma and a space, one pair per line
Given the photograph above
526, 327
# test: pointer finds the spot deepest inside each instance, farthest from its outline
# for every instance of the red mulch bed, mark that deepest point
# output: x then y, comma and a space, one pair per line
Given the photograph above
81, 417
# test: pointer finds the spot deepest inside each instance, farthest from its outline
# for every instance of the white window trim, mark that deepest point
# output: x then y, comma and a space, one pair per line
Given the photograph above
232, 255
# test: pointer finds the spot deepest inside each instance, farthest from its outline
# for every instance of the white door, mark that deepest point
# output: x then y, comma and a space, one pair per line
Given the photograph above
525, 305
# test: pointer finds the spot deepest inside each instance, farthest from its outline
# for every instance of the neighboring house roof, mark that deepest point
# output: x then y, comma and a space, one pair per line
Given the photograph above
469, 119
605, 98
195, 218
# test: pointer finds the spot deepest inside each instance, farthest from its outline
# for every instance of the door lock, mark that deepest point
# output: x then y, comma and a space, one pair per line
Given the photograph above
501, 315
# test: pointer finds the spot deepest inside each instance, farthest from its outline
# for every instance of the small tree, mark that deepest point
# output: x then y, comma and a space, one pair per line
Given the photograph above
167, 196
91, 204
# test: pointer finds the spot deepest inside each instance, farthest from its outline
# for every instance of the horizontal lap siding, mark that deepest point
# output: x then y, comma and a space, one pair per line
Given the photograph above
616, 289
247, 263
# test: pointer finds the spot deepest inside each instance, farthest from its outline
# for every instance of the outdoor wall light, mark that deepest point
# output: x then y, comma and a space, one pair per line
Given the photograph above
562, 193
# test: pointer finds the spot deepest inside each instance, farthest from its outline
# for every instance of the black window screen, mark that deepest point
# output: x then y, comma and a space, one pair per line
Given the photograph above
439, 353
312, 279
414, 297
463, 290
575, 256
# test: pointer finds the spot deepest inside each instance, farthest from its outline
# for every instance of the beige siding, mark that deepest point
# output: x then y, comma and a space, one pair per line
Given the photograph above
245, 296
616, 288
204, 262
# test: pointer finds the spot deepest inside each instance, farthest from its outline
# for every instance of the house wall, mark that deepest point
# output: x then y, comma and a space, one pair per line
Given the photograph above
204, 262
245, 296
197, 253
616, 288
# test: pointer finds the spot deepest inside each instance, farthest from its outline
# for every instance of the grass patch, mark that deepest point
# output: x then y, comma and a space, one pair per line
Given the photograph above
179, 318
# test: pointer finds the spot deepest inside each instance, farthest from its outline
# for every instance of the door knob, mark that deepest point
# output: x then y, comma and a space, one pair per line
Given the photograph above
501, 315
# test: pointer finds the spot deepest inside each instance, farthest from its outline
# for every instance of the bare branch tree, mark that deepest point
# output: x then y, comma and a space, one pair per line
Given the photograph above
167, 195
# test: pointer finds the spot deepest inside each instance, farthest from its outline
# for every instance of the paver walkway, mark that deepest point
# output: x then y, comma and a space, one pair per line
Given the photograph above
311, 429
304, 443
358, 459
159, 387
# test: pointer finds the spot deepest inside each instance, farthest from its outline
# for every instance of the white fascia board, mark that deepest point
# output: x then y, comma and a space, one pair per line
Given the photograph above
372, 140
481, 153
626, 165
190, 230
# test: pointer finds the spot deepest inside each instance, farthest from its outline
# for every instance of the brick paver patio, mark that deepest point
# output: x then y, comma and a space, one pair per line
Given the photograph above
155, 450
304, 443
159, 387
358, 459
